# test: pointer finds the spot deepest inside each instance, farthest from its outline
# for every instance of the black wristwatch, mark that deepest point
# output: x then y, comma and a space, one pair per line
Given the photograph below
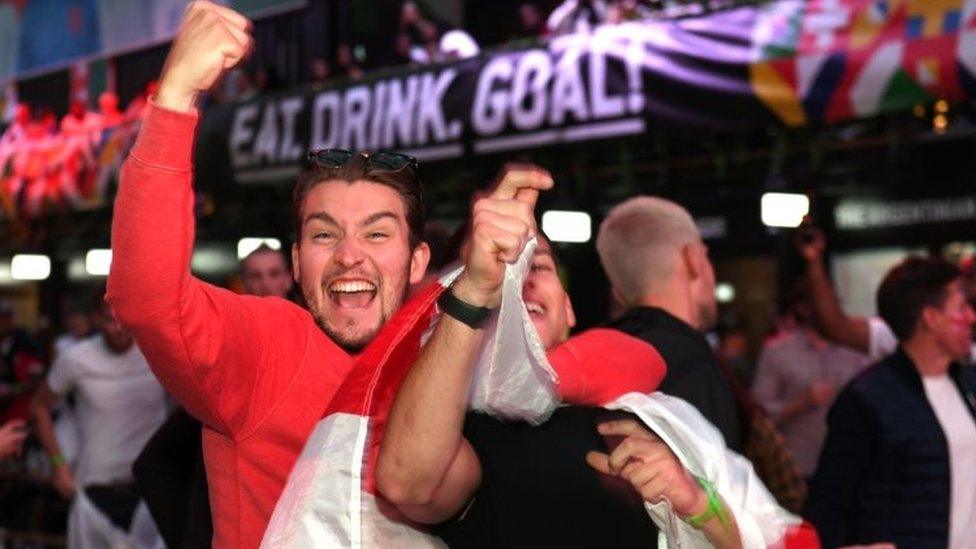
467, 313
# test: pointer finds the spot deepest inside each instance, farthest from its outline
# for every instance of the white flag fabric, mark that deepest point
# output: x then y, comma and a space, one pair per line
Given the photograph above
330, 499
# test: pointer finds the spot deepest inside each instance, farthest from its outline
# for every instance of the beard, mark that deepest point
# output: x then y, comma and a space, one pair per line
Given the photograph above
351, 338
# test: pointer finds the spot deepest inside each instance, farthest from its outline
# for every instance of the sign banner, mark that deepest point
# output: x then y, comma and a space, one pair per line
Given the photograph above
786, 62
789, 62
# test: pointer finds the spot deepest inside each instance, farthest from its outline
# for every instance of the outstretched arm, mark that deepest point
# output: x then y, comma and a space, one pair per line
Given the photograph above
651, 467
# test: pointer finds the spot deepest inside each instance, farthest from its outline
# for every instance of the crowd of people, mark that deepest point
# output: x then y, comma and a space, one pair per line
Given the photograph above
347, 396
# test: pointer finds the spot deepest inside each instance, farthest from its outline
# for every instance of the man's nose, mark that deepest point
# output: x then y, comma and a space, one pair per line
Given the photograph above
349, 252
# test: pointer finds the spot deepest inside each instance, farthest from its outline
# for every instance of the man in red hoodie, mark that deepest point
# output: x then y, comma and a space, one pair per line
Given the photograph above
260, 372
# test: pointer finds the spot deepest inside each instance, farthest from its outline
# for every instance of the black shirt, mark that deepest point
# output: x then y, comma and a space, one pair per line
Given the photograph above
538, 491
694, 373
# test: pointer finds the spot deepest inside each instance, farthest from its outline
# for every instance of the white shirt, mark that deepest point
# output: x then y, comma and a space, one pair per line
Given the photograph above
119, 406
960, 432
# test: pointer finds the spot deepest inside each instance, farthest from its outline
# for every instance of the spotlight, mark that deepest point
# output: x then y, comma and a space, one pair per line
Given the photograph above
247, 245
98, 261
566, 226
784, 209
30, 267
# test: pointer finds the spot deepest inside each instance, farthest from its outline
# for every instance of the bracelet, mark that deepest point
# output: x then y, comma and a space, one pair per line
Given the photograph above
467, 313
57, 460
715, 507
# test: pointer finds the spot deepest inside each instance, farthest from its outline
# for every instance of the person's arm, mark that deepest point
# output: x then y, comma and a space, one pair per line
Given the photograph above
205, 344
44, 400
425, 467
647, 463
12, 436
599, 365
834, 323
848, 454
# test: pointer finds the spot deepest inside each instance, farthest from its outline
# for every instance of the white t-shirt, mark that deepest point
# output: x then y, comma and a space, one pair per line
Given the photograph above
960, 432
119, 405
882, 341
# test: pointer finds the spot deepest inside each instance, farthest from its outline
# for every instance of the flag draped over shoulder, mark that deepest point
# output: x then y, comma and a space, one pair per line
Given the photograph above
330, 499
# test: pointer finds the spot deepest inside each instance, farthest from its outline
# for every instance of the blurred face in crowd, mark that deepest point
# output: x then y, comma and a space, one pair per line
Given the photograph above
952, 322
116, 337
78, 324
264, 273
354, 260
545, 299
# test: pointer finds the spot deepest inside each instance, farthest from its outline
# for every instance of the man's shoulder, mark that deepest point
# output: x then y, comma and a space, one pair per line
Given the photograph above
668, 334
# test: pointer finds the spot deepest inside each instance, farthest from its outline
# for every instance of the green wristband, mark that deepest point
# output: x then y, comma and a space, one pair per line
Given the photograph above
715, 508
57, 460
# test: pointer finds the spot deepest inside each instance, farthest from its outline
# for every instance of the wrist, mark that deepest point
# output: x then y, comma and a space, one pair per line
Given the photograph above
467, 292
175, 98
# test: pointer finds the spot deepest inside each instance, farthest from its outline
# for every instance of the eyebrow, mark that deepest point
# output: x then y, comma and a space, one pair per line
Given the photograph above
324, 217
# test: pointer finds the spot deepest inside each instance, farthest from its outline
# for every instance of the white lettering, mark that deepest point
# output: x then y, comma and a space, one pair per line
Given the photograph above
266, 143
326, 104
290, 107
240, 134
354, 116
488, 113
533, 73
431, 115
402, 105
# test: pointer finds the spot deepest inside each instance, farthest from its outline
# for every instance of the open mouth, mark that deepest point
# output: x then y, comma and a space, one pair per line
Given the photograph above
535, 309
352, 294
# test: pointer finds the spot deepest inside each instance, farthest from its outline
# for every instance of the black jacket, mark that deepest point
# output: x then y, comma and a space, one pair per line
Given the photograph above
884, 474
694, 373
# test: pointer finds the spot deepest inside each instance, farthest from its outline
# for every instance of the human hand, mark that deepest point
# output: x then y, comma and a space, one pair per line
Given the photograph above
501, 223
64, 481
211, 40
650, 466
12, 436
811, 243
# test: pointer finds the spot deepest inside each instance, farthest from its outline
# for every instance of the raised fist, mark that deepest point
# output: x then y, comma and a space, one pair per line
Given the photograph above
211, 40
502, 221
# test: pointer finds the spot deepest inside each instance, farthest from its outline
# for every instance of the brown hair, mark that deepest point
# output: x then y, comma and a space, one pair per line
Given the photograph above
403, 181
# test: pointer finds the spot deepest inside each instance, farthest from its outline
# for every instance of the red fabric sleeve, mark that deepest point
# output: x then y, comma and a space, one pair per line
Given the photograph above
208, 346
803, 536
599, 365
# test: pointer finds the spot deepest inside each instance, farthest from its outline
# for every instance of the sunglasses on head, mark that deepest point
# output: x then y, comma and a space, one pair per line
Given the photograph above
382, 160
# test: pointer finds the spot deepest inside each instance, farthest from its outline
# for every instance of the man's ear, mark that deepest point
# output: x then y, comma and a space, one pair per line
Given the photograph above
928, 319
418, 262
296, 266
690, 258
570, 314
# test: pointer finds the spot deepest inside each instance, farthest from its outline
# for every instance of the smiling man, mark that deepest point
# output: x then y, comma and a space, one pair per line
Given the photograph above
259, 372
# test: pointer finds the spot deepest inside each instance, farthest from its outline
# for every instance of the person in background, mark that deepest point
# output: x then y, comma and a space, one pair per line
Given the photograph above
319, 72
871, 335
346, 65
798, 376
531, 22
899, 462
265, 272
78, 327
119, 404
21, 367
576, 16
12, 436
661, 276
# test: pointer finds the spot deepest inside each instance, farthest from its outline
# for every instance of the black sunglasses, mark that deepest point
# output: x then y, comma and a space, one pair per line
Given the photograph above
381, 160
